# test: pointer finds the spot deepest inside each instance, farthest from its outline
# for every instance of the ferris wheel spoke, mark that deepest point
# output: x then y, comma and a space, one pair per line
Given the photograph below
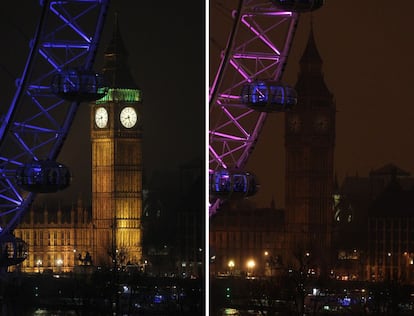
222, 137
68, 20
32, 128
247, 86
247, 64
240, 70
229, 154
18, 198
39, 118
216, 159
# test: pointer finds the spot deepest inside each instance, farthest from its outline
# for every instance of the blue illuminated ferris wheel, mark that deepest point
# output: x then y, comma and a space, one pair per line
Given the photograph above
57, 78
247, 86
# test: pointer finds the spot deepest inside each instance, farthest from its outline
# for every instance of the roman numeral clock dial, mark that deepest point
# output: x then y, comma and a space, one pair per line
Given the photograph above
101, 117
128, 117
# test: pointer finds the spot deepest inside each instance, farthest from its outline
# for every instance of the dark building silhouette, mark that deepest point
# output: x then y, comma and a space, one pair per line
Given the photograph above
245, 239
272, 237
173, 222
309, 171
373, 226
360, 229
190, 223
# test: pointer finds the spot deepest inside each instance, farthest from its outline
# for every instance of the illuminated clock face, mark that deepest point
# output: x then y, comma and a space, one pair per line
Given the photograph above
101, 117
128, 117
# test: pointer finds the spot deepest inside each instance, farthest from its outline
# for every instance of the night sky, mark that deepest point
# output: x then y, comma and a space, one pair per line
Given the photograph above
367, 52
166, 45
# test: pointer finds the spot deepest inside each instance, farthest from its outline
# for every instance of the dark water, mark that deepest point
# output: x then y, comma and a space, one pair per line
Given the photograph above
99, 295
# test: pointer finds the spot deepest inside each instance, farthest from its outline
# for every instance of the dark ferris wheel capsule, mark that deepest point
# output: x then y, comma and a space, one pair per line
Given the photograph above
77, 85
43, 176
268, 96
232, 184
12, 250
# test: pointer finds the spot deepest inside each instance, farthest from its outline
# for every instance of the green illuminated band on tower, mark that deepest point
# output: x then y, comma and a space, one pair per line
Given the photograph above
124, 95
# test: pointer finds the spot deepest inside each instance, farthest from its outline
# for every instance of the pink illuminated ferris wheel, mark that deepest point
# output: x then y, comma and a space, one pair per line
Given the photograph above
247, 87
56, 79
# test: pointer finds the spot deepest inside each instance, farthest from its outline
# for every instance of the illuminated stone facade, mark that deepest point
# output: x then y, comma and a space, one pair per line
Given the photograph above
117, 164
58, 239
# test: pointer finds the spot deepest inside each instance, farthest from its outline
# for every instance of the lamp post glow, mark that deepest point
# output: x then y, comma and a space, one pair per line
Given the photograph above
250, 266
268, 264
38, 264
59, 263
231, 266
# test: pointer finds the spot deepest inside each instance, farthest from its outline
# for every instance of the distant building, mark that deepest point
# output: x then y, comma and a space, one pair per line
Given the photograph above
246, 240
190, 222
390, 235
58, 239
173, 221
373, 226
309, 172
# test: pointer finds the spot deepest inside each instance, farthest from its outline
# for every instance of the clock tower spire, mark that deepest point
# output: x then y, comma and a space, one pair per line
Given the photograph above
116, 138
309, 144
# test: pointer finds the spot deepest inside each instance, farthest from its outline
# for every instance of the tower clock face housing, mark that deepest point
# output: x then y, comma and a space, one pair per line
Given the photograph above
128, 117
101, 117
321, 124
117, 168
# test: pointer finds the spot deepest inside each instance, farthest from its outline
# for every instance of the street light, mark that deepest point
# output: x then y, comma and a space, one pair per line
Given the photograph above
268, 263
38, 264
250, 265
231, 266
59, 263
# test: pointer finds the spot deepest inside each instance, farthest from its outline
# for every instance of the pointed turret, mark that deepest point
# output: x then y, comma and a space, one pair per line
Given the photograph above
310, 80
116, 70
311, 60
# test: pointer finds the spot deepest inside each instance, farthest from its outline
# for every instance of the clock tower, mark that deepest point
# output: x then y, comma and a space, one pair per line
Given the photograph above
309, 144
116, 138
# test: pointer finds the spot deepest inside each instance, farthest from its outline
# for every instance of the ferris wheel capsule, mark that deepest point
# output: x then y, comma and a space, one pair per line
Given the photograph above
12, 250
232, 184
298, 5
43, 176
268, 96
78, 85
